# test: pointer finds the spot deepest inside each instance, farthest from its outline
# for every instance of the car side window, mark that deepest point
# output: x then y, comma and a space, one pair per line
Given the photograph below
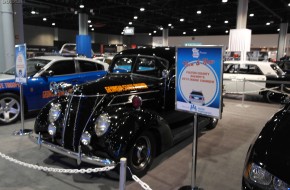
87, 66
250, 70
63, 67
145, 64
233, 69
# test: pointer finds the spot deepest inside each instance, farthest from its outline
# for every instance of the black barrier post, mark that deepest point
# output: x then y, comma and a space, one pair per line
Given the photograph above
194, 157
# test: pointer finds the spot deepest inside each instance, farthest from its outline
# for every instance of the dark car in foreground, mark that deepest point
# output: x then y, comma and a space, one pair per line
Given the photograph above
128, 113
267, 165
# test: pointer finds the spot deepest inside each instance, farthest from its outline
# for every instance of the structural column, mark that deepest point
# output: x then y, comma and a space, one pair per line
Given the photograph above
6, 36
240, 38
282, 40
165, 37
83, 24
83, 40
18, 23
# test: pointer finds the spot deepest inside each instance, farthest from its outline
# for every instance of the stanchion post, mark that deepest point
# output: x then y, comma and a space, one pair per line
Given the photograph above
22, 131
122, 181
244, 86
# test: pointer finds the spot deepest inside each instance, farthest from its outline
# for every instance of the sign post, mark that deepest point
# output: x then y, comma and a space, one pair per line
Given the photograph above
199, 72
21, 77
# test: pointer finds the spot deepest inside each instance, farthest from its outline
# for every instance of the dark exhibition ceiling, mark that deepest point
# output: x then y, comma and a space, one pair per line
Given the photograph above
200, 17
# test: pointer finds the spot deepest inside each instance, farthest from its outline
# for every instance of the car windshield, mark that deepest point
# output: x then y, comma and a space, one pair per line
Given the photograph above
277, 69
31, 66
122, 64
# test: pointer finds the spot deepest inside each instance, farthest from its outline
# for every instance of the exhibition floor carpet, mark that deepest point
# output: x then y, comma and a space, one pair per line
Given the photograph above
220, 157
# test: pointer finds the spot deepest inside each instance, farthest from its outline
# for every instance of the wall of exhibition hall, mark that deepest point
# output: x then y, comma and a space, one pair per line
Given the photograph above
45, 36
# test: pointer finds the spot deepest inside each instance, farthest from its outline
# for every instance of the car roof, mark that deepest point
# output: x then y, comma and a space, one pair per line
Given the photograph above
249, 62
163, 52
58, 57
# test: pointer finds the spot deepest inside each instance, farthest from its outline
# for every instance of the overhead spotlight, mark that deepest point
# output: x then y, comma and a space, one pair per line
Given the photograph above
154, 31
289, 4
135, 17
198, 12
209, 26
194, 30
33, 12
226, 31
82, 5
251, 15
268, 23
53, 24
92, 29
169, 24
181, 20
184, 33
90, 25
226, 21
142, 9
89, 21
91, 10
76, 12
172, 27
130, 23
122, 32
278, 29
161, 28
44, 19
224, 1
150, 34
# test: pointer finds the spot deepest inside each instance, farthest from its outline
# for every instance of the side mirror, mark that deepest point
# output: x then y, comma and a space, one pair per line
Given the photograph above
48, 73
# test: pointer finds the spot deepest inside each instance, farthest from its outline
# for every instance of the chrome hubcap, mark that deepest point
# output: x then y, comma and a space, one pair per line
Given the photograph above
141, 153
9, 109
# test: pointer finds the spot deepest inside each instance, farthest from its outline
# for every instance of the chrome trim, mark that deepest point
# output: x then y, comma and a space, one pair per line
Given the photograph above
87, 96
75, 155
134, 93
67, 110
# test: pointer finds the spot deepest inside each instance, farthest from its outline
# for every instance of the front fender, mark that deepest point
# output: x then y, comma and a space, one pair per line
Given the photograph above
41, 121
128, 123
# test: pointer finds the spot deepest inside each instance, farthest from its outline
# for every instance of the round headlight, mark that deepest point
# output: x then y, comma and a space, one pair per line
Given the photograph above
54, 112
51, 129
260, 175
102, 124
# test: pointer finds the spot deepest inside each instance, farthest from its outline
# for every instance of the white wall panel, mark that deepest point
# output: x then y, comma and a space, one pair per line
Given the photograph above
35, 35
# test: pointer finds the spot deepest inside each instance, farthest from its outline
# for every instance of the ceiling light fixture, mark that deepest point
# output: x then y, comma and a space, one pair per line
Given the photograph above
142, 9
33, 12
209, 26
184, 33
224, 1
53, 24
44, 19
194, 30
135, 17
226, 21
226, 31
251, 15
198, 12
278, 29
181, 20
154, 31
92, 29
130, 23
89, 21
289, 4
150, 34
268, 23
82, 6
90, 25
169, 24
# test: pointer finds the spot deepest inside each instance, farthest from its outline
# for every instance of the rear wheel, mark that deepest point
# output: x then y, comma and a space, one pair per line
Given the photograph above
9, 108
141, 154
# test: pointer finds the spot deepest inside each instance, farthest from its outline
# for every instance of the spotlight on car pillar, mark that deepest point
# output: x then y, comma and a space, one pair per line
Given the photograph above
137, 102
51, 129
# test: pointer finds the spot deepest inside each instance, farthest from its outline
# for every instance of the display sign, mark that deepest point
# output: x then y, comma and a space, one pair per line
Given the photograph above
20, 64
199, 80
129, 31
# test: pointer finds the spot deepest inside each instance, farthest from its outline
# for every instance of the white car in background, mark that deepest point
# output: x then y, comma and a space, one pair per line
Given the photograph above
251, 77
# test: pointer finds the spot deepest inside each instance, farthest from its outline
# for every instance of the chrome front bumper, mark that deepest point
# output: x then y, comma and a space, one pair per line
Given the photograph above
80, 157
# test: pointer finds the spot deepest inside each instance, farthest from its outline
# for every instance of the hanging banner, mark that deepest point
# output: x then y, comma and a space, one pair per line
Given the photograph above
20, 64
199, 80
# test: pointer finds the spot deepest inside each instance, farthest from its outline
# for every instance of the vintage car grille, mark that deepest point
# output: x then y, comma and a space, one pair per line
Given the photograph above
79, 111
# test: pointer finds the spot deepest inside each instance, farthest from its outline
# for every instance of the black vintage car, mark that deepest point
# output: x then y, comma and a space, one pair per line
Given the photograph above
128, 113
267, 165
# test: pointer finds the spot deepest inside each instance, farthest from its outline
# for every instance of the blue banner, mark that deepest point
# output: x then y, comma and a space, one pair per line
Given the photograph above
20, 64
199, 72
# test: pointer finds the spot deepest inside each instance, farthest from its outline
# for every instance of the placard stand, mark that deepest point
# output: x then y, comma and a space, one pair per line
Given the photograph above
194, 157
22, 131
